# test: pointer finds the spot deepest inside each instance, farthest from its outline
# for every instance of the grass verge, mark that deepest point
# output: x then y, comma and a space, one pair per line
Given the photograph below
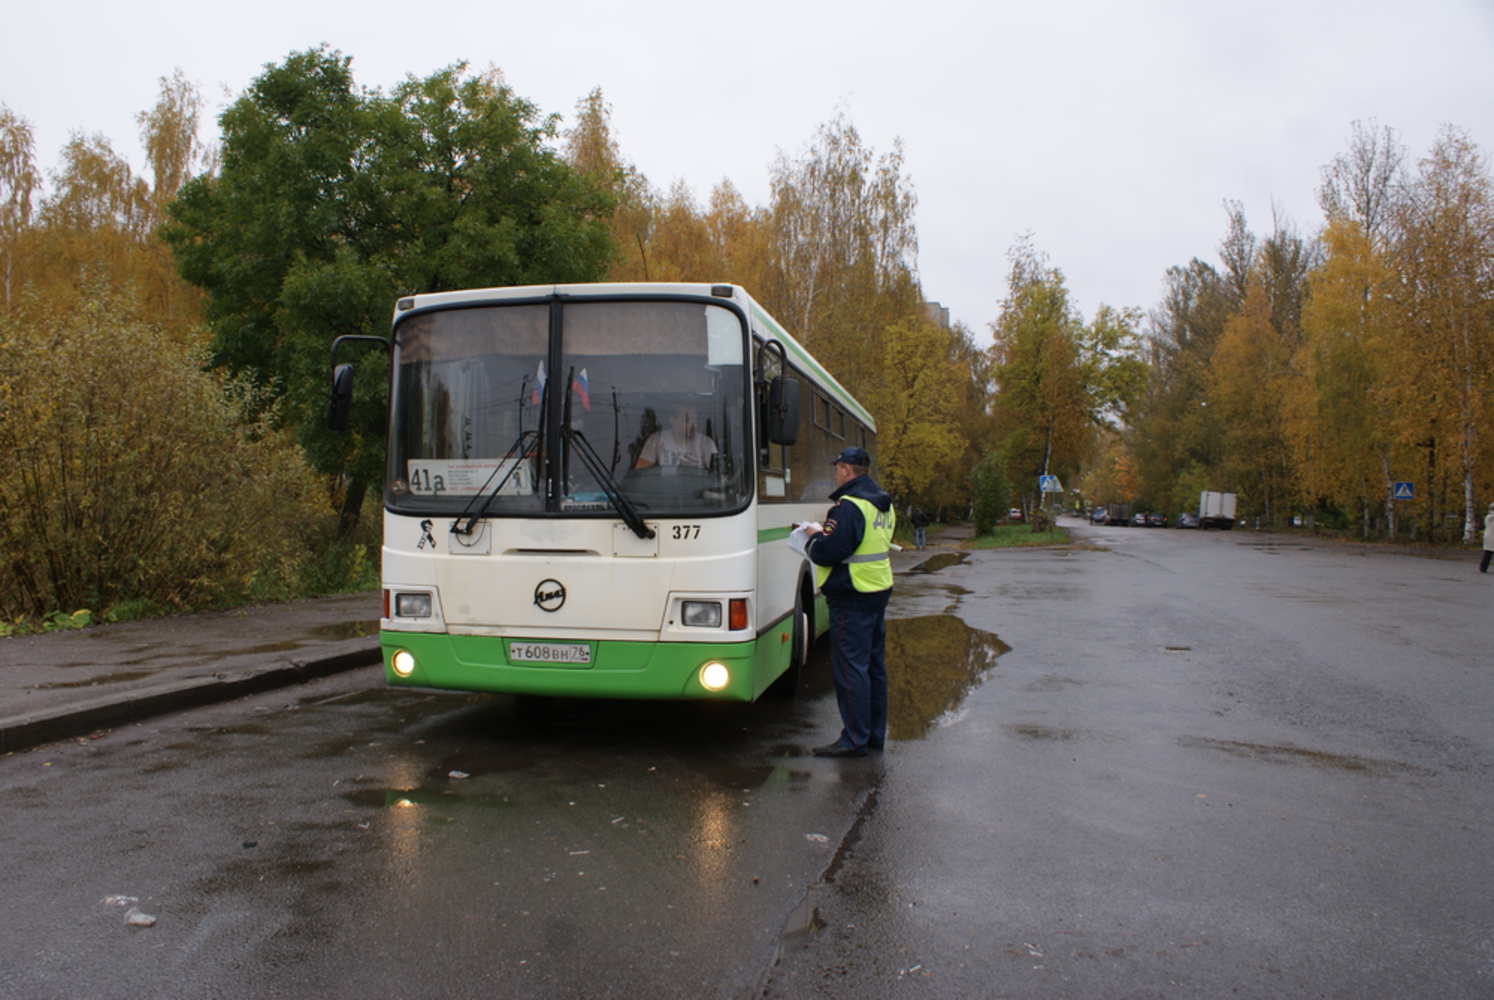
1007, 536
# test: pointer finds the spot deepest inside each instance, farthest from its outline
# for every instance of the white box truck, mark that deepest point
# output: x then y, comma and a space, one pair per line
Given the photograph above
1216, 510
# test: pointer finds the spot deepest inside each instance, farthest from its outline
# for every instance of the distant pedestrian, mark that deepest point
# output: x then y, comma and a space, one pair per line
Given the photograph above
1483, 567
920, 521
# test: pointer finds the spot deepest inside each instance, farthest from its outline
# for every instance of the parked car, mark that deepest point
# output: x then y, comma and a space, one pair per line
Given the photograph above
1015, 514
1099, 516
1187, 519
1156, 519
1138, 519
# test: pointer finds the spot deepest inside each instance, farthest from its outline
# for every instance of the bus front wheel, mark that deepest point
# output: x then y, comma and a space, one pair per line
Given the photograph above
787, 684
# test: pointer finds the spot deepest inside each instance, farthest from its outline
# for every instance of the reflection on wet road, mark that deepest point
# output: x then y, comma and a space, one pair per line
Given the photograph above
940, 560
933, 662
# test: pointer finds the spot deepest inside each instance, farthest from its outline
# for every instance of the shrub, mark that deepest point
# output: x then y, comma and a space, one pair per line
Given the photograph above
992, 492
132, 479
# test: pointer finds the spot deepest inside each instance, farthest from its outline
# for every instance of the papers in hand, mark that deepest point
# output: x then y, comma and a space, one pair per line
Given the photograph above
798, 539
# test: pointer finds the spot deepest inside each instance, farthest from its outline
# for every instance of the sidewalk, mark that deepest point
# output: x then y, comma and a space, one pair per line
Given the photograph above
62, 684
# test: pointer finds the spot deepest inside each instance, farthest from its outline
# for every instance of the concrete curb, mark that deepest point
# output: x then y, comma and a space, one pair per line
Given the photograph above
28, 729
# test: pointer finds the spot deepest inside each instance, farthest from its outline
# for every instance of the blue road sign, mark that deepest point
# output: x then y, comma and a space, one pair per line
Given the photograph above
1403, 491
1049, 484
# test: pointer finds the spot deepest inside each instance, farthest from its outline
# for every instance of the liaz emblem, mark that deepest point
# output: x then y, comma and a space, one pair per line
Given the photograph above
549, 595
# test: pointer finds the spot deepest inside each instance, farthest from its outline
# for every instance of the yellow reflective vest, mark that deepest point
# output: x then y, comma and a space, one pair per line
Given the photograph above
871, 564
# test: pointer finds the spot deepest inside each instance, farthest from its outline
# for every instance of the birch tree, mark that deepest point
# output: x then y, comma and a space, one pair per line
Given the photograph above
1445, 265
1341, 421
1042, 406
19, 184
590, 146
1244, 392
916, 404
843, 248
1364, 185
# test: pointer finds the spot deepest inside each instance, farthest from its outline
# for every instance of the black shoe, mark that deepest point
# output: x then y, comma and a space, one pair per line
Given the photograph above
837, 750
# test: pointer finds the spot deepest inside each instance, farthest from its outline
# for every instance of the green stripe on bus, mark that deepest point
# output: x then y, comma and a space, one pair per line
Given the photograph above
766, 535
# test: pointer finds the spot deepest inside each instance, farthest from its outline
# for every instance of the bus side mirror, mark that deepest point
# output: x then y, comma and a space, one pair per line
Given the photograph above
341, 399
781, 421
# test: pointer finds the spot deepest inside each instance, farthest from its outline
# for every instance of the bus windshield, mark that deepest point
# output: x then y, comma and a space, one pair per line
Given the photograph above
554, 408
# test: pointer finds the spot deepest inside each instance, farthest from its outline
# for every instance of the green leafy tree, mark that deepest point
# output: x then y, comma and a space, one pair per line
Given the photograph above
1113, 360
332, 201
1171, 429
993, 492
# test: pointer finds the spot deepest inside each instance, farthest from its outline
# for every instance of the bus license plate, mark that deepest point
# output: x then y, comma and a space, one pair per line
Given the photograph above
550, 652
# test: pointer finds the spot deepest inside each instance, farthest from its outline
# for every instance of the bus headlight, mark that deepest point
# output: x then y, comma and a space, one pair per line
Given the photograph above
701, 614
412, 605
714, 676
402, 662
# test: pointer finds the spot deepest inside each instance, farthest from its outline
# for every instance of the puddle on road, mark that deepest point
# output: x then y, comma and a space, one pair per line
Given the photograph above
802, 924
1043, 733
799, 930
940, 560
1272, 547
190, 654
1281, 593
1054, 734
1368, 766
764, 777
347, 630
434, 804
933, 662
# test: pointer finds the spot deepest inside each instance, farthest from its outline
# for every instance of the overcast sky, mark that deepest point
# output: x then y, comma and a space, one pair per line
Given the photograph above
1112, 131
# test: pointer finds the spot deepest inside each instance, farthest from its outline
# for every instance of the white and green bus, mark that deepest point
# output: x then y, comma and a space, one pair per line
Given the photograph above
589, 491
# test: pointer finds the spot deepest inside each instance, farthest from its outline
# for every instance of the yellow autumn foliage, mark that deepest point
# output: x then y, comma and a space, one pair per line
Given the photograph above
131, 480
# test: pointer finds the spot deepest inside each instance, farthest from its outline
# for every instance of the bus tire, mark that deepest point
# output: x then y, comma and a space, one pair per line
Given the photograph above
787, 684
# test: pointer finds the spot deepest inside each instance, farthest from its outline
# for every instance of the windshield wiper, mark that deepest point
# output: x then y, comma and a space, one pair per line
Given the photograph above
597, 468
484, 495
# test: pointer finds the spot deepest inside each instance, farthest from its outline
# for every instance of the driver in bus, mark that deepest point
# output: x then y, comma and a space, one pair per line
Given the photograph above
680, 444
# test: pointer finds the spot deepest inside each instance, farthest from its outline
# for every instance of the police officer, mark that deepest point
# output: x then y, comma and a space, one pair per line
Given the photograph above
853, 568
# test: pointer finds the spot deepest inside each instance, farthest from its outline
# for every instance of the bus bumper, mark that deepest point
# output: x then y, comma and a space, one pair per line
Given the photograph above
660, 670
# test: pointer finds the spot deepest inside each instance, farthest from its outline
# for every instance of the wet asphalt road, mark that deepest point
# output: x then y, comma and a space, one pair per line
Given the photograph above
1211, 765
1171, 765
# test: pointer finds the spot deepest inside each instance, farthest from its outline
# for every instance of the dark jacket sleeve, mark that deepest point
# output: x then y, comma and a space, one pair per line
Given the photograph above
844, 527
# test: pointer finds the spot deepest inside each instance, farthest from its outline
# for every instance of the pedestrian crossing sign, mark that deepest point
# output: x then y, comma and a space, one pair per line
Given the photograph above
1404, 491
1049, 484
